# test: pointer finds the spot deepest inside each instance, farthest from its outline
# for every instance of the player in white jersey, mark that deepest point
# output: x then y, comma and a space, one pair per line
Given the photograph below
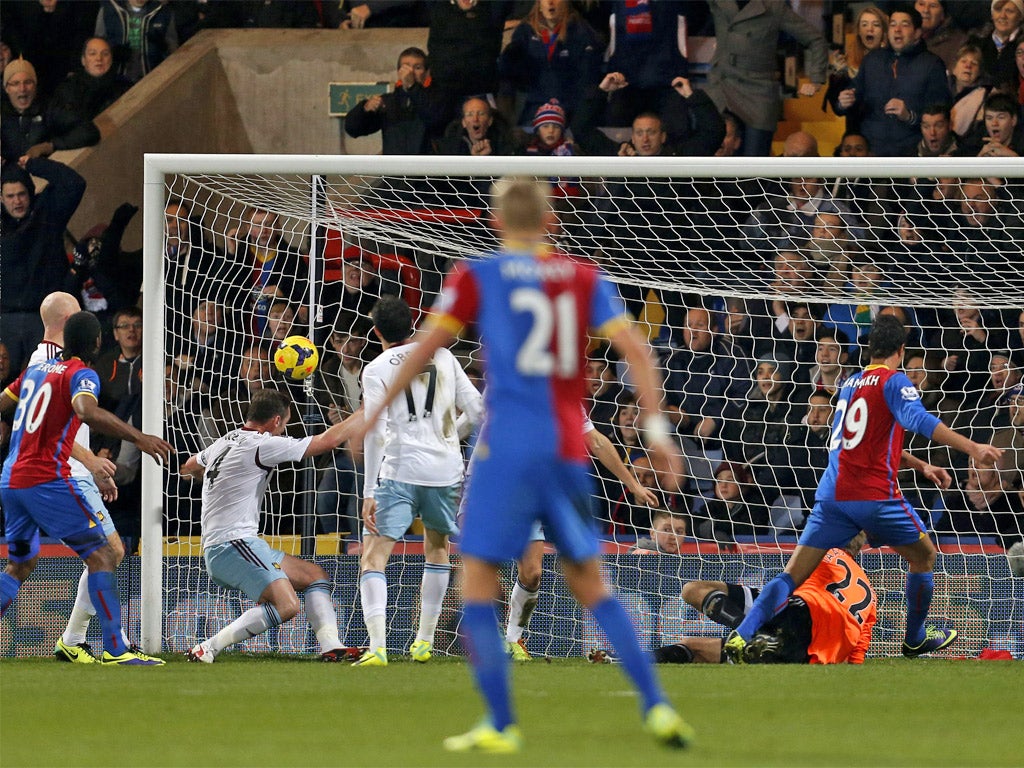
414, 468
526, 589
96, 481
235, 471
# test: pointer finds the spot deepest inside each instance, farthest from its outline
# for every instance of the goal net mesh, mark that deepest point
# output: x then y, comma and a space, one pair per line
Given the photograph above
756, 294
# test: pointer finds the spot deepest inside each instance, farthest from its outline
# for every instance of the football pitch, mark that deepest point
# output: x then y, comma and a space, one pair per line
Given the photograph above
245, 711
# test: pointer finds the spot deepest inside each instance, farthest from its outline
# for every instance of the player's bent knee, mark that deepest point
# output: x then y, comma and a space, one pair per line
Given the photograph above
287, 606
585, 581
103, 559
920, 555
22, 570
116, 544
693, 593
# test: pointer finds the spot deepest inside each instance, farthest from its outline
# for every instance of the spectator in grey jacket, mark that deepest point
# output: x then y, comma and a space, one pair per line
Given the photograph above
742, 77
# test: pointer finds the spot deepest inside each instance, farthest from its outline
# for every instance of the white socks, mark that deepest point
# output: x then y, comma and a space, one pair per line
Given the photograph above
520, 608
373, 593
432, 591
249, 624
321, 615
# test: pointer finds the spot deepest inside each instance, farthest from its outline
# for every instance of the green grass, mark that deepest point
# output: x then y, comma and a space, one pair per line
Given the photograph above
273, 711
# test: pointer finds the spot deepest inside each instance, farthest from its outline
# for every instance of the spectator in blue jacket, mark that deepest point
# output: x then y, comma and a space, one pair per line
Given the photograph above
554, 54
645, 56
893, 87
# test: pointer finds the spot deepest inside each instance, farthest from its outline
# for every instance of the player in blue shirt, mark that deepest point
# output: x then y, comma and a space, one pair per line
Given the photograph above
859, 490
533, 308
38, 490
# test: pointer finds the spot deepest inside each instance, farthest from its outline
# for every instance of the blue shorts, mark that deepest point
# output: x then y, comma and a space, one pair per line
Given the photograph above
398, 504
249, 565
69, 509
509, 494
834, 523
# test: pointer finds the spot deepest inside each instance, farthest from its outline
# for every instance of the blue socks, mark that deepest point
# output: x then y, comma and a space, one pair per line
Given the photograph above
490, 662
771, 600
920, 587
619, 630
103, 592
8, 591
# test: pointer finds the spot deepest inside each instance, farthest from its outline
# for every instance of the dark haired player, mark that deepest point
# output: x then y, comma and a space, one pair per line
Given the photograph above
859, 490
235, 471
413, 468
37, 487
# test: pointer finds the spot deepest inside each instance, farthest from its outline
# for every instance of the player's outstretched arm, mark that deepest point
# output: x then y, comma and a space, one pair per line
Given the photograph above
601, 448
102, 470
937, 475
983, 454
334, 436
628, 342
104, 421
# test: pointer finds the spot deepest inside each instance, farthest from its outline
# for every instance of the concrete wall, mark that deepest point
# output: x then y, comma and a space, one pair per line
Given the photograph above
232, 91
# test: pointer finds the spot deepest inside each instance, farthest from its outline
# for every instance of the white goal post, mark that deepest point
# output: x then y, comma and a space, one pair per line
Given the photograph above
666, 229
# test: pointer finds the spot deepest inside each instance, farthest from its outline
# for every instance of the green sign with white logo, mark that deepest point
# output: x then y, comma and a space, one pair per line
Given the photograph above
344, 96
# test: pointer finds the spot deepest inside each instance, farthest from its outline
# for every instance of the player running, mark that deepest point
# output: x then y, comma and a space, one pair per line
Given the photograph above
533, 308
414, 467
859, 490
827, 620
235, 471
37, 487
94, 475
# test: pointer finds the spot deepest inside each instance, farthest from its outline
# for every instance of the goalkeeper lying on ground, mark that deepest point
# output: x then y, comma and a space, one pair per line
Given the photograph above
828, 619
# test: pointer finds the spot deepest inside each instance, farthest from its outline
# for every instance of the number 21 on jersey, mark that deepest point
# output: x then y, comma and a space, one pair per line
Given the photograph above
554, 320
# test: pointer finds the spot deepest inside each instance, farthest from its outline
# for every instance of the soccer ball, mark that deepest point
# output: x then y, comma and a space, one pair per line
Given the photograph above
296, 358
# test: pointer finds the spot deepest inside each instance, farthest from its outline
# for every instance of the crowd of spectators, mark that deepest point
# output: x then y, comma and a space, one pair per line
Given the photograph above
750, 383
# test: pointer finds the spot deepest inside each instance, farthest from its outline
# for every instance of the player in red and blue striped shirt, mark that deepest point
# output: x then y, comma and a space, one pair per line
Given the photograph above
38, 489
859, 489
533, 309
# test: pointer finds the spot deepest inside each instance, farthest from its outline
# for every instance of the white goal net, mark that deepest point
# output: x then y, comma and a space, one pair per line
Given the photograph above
756, 284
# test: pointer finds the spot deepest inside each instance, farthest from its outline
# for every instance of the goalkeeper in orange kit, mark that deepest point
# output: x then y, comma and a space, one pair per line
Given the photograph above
828, 619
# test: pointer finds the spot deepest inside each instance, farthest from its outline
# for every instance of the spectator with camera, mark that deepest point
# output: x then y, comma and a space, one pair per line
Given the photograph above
411, 117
